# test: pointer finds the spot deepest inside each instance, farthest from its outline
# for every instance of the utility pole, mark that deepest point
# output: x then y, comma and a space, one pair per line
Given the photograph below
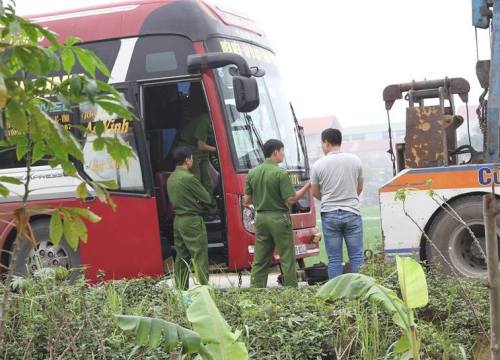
490, 211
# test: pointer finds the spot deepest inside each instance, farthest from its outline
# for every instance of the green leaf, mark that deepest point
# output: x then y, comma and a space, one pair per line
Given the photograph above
71, 40
108, 184
68, 59
39, 152
86, 60
115, 108
99, 128
4, 191
55, 227
213, 329
151, 331
100, 65
29, 30
82, 191
87, 214
21, 150
80, 228
14, 27
412, 282
16, 116
402, 345
76, 85
98, 144
3, 92
10, 180
69, 231
99, 191
356, 286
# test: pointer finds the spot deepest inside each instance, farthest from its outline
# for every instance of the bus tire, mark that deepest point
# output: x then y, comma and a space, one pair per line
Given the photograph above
455, 243
49, 255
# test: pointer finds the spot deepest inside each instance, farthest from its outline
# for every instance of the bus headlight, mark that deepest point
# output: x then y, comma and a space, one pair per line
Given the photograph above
248, 217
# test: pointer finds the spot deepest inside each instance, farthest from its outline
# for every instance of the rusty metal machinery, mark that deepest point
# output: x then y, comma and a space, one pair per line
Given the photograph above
431, 130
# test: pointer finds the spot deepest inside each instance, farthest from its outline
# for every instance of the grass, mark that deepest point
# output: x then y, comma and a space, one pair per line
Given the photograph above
372, 234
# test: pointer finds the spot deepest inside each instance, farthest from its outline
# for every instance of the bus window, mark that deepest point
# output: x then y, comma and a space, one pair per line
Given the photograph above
159, 56
99, 165
272, 119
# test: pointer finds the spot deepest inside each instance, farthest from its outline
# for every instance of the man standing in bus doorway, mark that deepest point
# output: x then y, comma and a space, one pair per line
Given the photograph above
269, 189
194, 134
189, 201
337, 180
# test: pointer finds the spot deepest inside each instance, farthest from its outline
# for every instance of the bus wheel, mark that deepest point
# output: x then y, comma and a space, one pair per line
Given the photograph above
46, 254
456, 243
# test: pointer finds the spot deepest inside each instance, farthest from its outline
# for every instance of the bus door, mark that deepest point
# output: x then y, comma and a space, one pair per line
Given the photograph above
126, 242
167, 108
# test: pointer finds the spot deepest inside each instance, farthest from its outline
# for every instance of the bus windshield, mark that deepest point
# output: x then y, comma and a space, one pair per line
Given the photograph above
272, 119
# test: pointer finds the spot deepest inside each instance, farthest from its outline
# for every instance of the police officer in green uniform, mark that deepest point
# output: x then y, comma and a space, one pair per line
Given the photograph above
270, 190
190, 201
195, 135
195, 132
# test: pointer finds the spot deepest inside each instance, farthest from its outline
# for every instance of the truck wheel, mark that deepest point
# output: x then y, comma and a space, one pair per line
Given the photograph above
46, 253
454, 241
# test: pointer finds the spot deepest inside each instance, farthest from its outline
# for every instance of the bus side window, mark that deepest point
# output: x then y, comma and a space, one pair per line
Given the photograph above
98, 164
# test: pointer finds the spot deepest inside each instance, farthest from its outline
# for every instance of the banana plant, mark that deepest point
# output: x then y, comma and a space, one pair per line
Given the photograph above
154, 332
414, 291
207, 321
211, 336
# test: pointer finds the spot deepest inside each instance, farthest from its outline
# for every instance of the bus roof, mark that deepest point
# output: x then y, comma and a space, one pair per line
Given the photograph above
195, 19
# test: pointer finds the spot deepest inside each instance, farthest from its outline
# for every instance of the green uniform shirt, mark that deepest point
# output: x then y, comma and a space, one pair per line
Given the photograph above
195, 129
269, 186
186, 194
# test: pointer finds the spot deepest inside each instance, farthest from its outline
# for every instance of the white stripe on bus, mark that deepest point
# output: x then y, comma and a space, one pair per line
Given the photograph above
82, 13
122, 63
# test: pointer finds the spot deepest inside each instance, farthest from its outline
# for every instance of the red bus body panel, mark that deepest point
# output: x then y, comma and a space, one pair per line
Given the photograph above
125, 244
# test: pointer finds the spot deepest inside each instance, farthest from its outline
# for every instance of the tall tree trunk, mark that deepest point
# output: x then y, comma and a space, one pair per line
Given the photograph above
490, 211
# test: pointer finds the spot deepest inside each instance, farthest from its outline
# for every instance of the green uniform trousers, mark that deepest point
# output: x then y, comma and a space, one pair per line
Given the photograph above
273, 229
200, 170
190, 241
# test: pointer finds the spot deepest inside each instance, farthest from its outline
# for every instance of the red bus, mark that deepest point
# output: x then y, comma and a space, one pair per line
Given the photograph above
166, 56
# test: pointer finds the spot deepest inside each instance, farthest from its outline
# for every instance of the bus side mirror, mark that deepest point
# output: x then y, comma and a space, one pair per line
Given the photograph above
246, 94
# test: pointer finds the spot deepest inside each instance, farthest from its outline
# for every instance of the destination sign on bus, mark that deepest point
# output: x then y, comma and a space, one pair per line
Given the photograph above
246, 50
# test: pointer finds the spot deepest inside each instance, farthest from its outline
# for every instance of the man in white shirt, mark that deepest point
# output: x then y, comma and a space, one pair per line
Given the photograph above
337, 180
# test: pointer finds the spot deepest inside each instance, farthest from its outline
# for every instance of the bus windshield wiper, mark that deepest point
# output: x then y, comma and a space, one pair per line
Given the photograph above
253, 132
300, 138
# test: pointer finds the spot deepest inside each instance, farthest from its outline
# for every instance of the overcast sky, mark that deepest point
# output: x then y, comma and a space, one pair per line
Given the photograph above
337, 56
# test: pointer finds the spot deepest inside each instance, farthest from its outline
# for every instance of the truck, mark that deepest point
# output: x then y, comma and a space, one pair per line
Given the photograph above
440, 220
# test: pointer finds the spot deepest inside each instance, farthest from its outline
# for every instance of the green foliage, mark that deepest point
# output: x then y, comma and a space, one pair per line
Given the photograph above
413, 288
31, 82
69, 221
153, 332
212, 337
50, 316
207, 321
412, 282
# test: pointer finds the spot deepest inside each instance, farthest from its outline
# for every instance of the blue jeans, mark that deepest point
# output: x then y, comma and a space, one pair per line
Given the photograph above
341, 225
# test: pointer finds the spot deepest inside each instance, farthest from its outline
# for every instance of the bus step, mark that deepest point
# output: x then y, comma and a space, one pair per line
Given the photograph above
215, 268
216, 245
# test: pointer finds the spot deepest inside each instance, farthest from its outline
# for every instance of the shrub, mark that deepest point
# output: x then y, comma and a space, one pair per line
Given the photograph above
51, 317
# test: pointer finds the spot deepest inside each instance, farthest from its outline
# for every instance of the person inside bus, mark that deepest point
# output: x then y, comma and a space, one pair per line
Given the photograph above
189, 201
195, 133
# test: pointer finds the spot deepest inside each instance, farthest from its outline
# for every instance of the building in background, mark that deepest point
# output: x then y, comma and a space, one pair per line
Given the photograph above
312, 131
